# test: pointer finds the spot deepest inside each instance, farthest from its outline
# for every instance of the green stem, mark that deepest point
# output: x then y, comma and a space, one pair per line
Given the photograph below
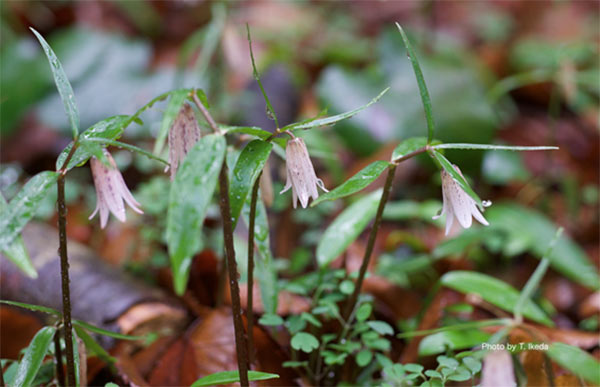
250, 302
371, 243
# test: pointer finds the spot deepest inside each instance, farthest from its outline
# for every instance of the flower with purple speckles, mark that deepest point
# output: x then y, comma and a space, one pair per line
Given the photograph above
183, 134
458, 204
301, 177
111, 190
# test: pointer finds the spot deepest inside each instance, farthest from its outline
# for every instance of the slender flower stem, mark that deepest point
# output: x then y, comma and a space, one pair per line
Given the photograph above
64, 270
371, 243
64, 267
60, 372
249, 306
221, 283
211, 122
240, 343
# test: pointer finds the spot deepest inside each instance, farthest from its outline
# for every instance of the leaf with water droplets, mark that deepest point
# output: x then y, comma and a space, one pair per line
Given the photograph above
247, 169
191, 193
34, 355
62, 84
16, 251
347, 227
110, 129
23, 206
407, 146
356, 183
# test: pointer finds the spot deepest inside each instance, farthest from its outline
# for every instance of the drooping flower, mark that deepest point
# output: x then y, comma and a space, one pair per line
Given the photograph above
183, 134
458, 204
111, 190
301, 175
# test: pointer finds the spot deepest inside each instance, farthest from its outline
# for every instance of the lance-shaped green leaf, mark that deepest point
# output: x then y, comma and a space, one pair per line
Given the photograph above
412, 56
176, 101
229, 377
62, 84
191, 193
493, 147
34, 308
530, 230
76, 323
333, 119
16, 251
23, 207
494, 291
249, 164
451, 340
356, 183
254, 131
408, 146
576, 360
347, 227
34, 355
104, 332
449, 168
122, 145
110, 129
92, 346
265, 265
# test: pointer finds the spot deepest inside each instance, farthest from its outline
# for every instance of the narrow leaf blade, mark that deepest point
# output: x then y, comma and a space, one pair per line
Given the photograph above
451, 340
228, 377
93, 346
356, 183
493, 147
23, 206
191, 193
494, 291
575, 360
535, 230
35, 353
407, 146
347, 227
248, 167
35, 308
421, 82
104, 332
62, 84
333, 119
110, 128
447, 165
